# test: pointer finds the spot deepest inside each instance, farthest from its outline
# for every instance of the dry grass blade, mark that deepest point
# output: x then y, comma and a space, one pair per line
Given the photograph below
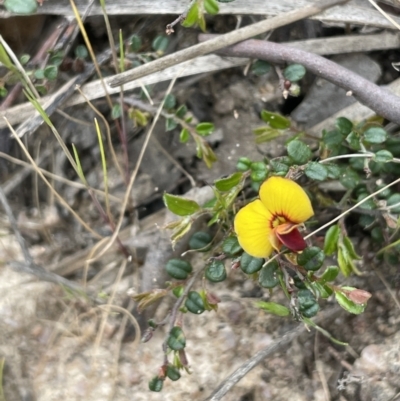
55, 193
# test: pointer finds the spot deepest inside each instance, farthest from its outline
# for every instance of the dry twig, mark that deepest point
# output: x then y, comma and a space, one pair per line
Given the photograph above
269, 350
222, 41
381, 101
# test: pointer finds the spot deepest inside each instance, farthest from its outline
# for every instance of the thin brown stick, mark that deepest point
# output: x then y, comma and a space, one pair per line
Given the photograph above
222, 41
384, 103
278, 345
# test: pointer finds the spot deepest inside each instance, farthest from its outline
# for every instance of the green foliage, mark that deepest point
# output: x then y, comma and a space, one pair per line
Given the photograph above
299, 152
194, 303
211, 6
269, 275
231, 246
249, 264
21, 7
274, 308
200, 241
205, 129
226, 184
260, 67
160, 44
81, 52
215, 272
311, 258
176, 339
173, 373
178, 268
135, 43
294, 72
275, 120
331, 240
179, 205
308, 305
156, 384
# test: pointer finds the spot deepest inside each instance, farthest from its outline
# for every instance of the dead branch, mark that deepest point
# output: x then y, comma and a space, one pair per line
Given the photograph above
354, 13
269, 350
222, 41
384, 103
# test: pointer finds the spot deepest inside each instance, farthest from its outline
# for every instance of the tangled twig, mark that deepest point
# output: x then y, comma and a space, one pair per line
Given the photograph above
384, 103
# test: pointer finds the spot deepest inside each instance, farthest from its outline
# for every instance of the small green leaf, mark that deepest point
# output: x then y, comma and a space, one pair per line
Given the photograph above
179, 205
24, 59
156, 384
138, 117
178, 268
331, 240
316, 171
308, 305
231, 246
182, 110
211, 6
348, 305
273, 308
116, 111
299, 151
260, 67
243, 164
350, 248
294, 72
269, 275
249, 264
4, 58
279, 167
344, 125
258, 171
192, 16
173, 373
275, 120
216, 272
135, 43
200, 241
330, 274
194, 303
350, 178
383, 156
344, 263
368, 204
51, 72
160, 43
334, 171
178, 291
375, 135
3, 91
311, 258
184, 135
353, 139
205, 129
322, 291
169, 101
81, 52
170, 124
21, 7
176, 339
266, 134
394, 200
226, 184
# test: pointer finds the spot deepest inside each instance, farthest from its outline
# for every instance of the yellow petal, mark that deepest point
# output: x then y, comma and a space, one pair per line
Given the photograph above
283, 197
253, 228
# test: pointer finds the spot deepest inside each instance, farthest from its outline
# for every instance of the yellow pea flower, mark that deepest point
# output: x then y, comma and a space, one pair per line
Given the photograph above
266, 224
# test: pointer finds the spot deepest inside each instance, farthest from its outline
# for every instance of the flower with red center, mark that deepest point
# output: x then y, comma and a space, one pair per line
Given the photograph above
266, 224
